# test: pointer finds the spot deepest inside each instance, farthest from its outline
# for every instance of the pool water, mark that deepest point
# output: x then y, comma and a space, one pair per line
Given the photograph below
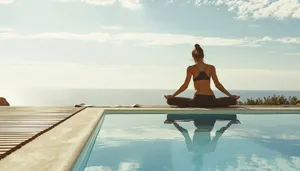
150, 142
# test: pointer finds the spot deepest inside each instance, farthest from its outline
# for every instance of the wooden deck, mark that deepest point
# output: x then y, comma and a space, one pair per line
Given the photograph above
20, 125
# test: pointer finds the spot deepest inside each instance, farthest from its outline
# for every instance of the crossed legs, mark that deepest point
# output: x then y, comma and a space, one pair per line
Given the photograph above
183, 102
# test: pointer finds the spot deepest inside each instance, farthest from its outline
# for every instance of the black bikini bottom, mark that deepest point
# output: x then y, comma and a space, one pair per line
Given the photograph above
202, 101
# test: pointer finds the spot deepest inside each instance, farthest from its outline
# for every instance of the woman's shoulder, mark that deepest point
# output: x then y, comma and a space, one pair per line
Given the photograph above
191, 66
210, 65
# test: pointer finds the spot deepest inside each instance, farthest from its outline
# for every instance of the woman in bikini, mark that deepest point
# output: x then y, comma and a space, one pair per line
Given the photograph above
204, 96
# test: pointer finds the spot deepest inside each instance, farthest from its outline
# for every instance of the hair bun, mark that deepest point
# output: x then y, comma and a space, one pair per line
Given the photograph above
198, 48
198, 51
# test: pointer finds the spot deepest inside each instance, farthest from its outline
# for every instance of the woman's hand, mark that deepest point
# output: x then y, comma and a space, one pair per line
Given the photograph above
235, 96
169, 121
169, 96
235, 122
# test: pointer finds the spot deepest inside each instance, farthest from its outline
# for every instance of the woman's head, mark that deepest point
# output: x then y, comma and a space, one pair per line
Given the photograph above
198, 53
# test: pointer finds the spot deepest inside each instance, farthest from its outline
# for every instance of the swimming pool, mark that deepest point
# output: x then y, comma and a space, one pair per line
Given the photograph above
152, 142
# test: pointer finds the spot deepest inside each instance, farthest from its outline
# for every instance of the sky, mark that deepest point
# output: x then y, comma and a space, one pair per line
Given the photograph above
147, 44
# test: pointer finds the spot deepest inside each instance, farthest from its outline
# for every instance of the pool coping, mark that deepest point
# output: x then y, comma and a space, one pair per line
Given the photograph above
44, 152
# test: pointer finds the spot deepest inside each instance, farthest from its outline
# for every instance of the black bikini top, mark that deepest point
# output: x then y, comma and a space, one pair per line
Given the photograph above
202, 75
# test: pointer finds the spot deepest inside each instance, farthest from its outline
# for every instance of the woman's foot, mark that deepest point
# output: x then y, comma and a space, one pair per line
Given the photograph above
235, 96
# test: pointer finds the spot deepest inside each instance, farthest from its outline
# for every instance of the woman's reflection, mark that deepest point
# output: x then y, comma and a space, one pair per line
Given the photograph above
202, 142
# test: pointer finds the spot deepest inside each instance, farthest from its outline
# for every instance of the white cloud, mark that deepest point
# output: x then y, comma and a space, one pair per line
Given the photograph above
244, 9
52, 74
123, 166
254, 25
264, 39
288, 137
97, 168
117, 137
126, 166
259, 8
249, 45
6, 2
129, 4
5, 29
145, 39
99, 2
149, 39
294, 40
255, 162
111, 27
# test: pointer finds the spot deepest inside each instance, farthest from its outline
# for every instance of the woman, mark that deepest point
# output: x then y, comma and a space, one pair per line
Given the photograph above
204, 96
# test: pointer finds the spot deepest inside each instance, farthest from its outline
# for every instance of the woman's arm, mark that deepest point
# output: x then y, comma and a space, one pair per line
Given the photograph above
186, 135
217, 82
186, 83
220, 132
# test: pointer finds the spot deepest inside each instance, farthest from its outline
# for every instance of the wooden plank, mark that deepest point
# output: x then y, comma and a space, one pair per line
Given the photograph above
27, 122
17, 133
7, 143
18, 125
31, 120
3, 146
13, 140
25, 125
19, 130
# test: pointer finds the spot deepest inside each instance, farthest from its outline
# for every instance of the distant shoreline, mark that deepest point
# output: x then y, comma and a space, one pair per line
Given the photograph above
272, 100
70, 97
149, 89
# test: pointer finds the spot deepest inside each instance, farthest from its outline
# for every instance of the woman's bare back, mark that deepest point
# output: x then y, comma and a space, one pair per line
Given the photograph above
202, 74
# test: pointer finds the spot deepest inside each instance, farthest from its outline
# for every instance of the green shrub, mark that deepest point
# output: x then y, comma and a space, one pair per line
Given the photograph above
271, 100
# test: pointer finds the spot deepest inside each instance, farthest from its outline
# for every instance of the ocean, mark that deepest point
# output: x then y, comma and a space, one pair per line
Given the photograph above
70, 97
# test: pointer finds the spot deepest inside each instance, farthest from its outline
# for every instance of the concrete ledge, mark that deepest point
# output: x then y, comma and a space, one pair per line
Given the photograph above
229, 110
137, 106
57, 149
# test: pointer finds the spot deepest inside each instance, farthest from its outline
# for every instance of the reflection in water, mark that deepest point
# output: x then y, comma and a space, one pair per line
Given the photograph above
202, 142
146, 143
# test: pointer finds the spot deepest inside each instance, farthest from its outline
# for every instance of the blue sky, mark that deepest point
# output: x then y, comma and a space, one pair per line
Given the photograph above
254, 44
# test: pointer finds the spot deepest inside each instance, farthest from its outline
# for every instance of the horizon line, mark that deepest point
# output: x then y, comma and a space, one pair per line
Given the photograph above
173, 89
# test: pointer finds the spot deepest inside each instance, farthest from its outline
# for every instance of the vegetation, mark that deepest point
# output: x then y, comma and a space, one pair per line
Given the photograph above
272, 100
